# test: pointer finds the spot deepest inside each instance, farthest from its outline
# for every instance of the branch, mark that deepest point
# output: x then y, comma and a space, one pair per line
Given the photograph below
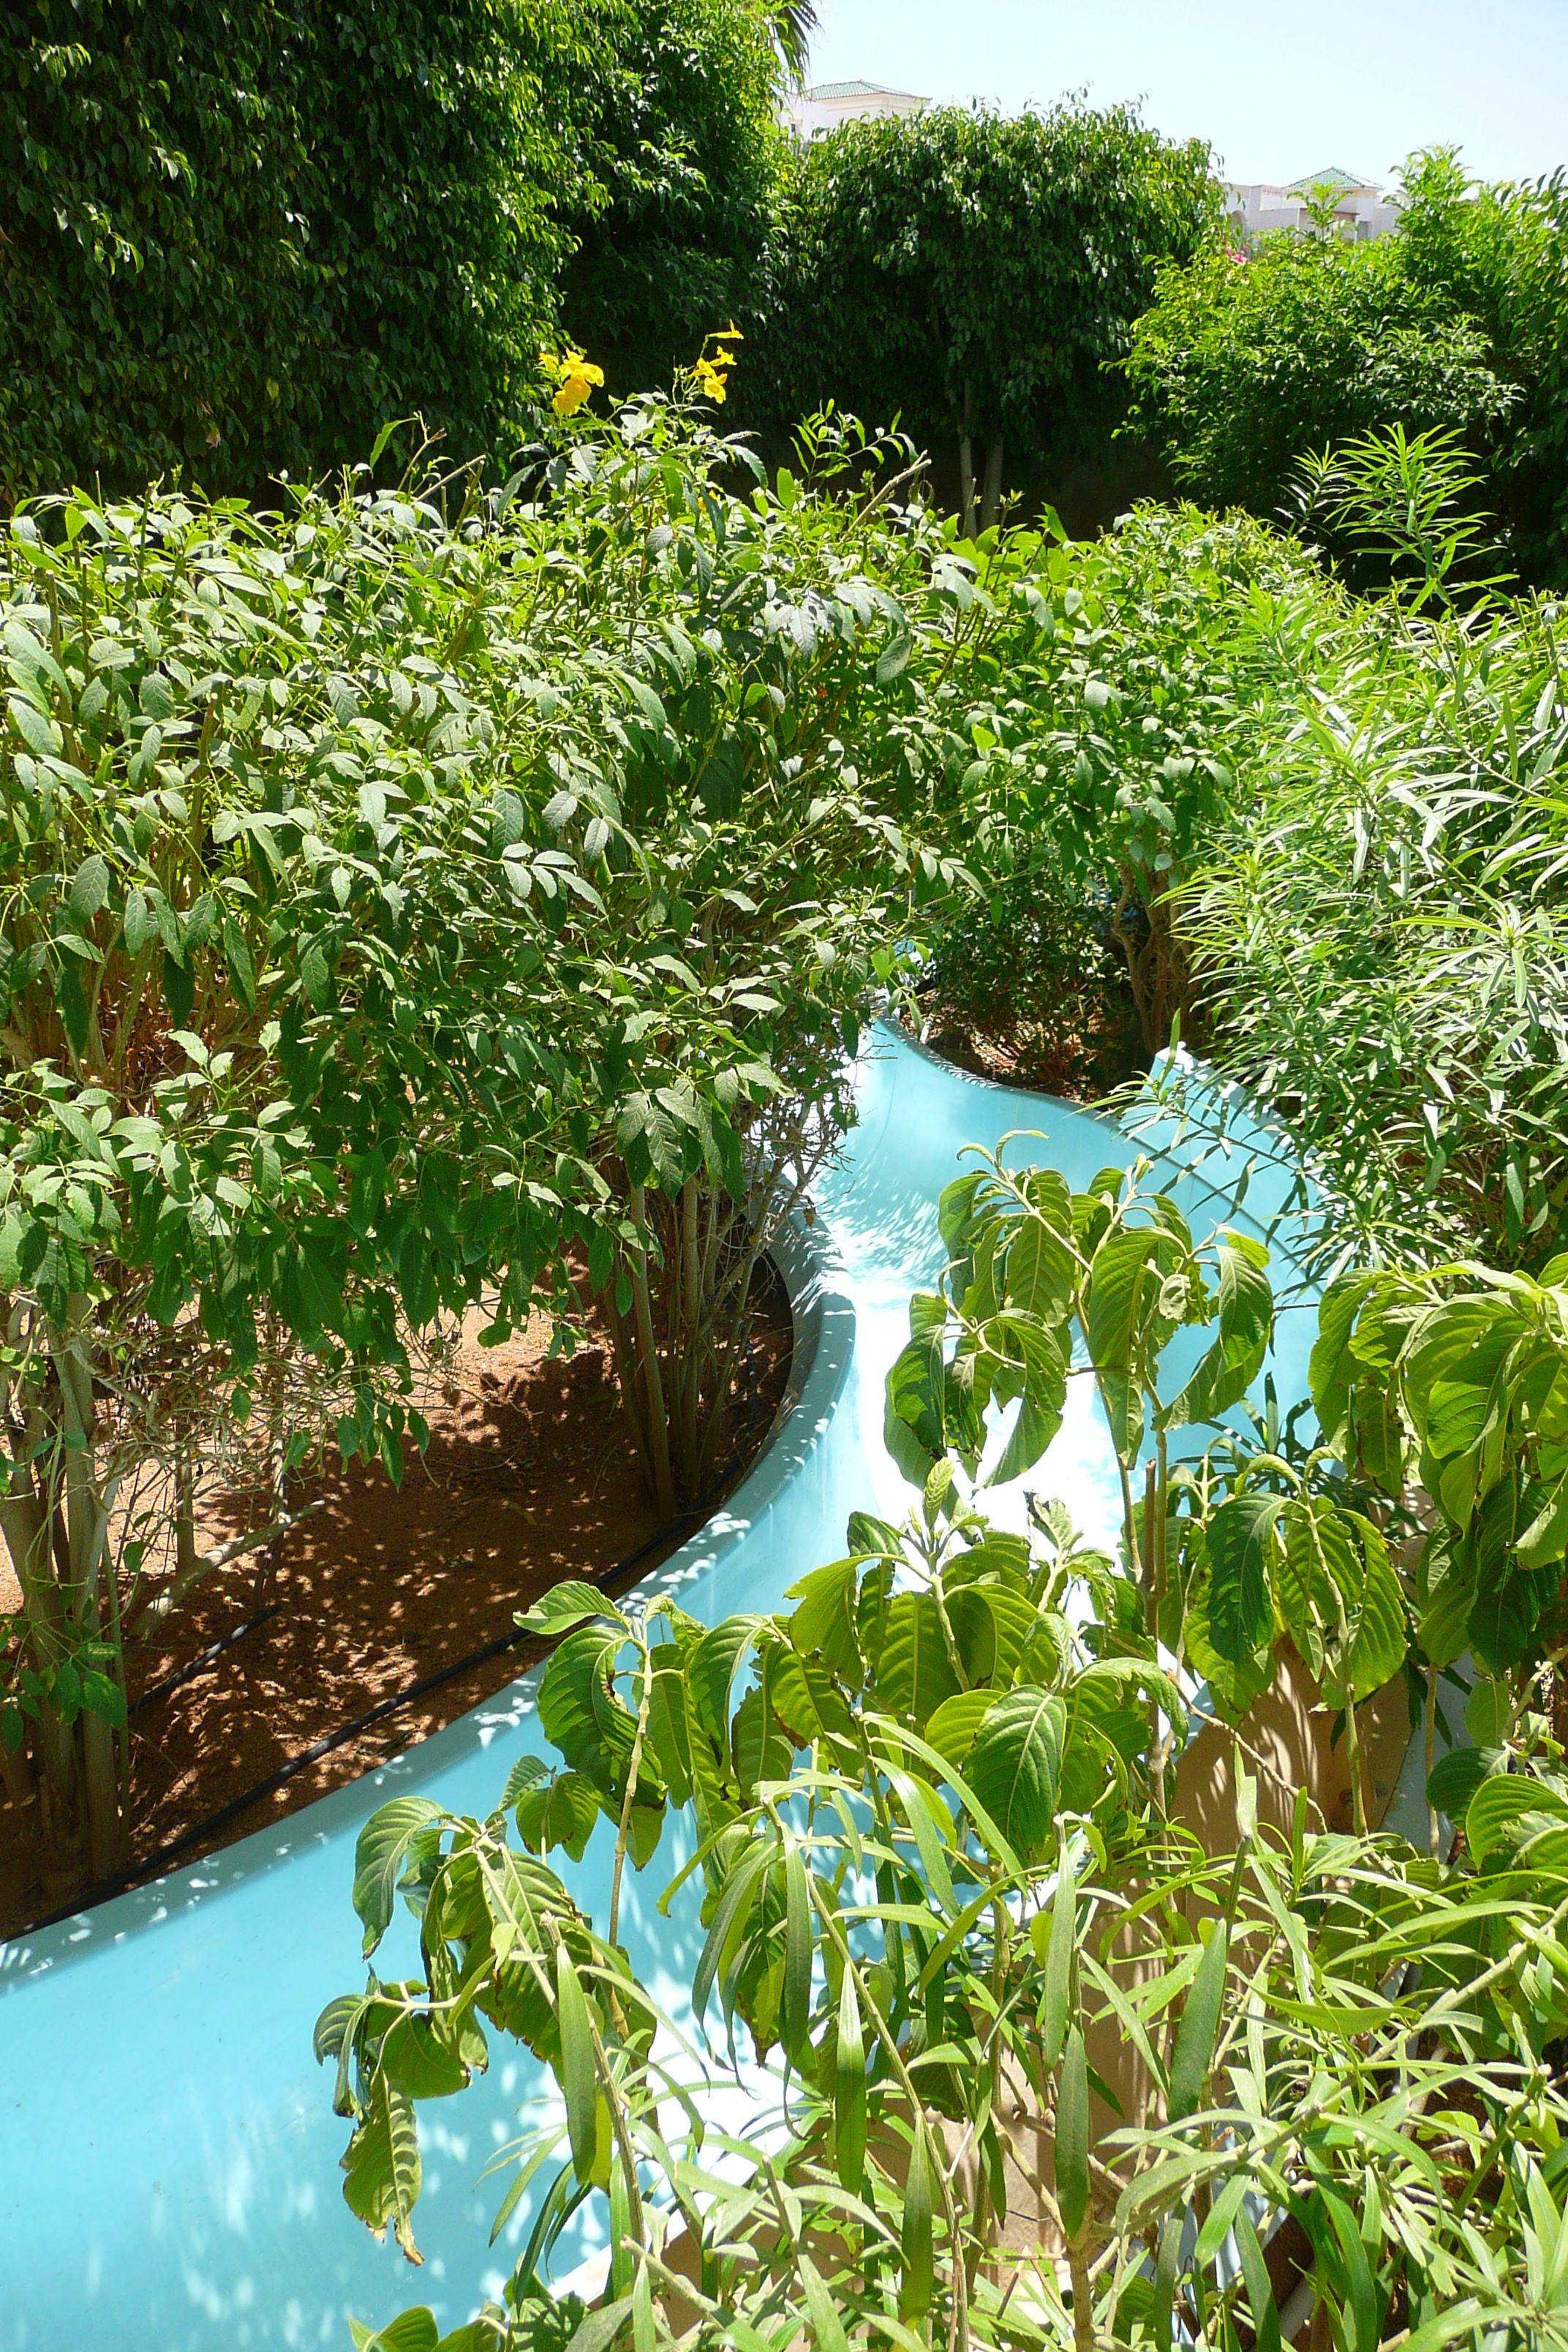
160, 1604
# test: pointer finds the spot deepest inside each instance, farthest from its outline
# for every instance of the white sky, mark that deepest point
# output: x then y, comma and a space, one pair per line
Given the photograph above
1277, 89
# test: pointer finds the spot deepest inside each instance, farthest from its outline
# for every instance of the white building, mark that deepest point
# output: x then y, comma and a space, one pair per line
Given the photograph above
1362, 209
809, 112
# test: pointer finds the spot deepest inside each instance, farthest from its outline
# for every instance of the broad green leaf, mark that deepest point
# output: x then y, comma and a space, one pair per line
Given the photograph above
1245, 1324
824, 1616
1036, 1424
582, 1713
914, 1672
1118, 1280
1501, 1800
1454, 1781
1240, 1605
571, 1602
1378, 1639
599, 2330
1333, 1372
411, 2331
712, 1667
1014, 1766
379, 1855
1543, 1542
1040, 1272
418, 2063
381, 2166
562, 1811
956, 1722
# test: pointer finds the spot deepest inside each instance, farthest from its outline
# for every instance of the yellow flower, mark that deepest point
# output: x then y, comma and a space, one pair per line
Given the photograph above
573, 376
708, 371
710, 382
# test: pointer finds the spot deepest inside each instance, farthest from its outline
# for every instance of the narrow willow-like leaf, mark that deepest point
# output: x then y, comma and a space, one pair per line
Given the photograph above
849, 2091
1196, 2034
917, 2234
578, 2081
1073, 2137
794, 2007
1259, 2288
1057, 2003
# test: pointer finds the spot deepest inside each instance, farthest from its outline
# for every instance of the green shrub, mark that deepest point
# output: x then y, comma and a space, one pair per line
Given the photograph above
1243, 365
1377, 928
1039, 982
419, 901
927, 1806
1124, 732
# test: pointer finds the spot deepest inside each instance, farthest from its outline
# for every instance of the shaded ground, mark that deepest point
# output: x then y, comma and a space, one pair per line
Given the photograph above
1080, 1055
528, 1479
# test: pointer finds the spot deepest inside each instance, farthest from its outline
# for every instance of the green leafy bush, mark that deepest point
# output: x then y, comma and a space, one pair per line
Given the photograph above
1121, 738
974, 274
1036, 984
1379, 938
1006, 2059
1245, 363
422, 899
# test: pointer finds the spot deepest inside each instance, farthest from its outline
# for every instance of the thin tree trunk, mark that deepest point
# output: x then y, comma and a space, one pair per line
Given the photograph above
658, 1416
100, 1787
966, 472
28, 1528
990, 499
692, 1331
18, 1774
1433, 1838
86, 1529
626, 1380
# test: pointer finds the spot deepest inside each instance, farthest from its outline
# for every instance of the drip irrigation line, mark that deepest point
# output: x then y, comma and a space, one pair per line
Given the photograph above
614, 1582
183, 1674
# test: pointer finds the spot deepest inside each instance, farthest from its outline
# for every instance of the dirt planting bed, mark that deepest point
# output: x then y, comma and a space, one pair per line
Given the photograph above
529, 1478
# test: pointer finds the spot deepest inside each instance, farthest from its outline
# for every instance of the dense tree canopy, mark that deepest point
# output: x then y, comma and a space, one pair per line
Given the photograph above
685, 153
237, 240
974, 273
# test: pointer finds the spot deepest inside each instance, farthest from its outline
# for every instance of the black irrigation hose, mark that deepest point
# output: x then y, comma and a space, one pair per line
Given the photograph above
119, 1881
183, 1674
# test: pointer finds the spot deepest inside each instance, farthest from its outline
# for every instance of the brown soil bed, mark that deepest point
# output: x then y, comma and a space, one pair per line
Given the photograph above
1078, 1058
529, 1478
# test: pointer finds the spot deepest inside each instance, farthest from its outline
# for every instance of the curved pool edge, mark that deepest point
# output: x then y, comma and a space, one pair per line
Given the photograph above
822, 1352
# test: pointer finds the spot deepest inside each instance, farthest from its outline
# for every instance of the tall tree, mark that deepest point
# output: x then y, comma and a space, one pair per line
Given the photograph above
975, 273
